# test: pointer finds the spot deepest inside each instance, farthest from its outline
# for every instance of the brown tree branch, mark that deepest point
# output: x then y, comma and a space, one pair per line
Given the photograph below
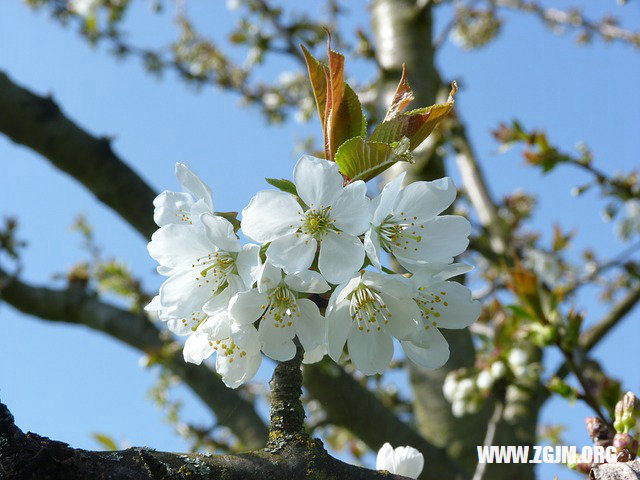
75, 305
287, 412
32, 457
606, 28
38, 123
477, 188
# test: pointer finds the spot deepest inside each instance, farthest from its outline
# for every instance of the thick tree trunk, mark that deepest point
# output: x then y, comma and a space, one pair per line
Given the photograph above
403, 34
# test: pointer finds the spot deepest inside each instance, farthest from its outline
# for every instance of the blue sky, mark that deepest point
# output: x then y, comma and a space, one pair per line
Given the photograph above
66, 381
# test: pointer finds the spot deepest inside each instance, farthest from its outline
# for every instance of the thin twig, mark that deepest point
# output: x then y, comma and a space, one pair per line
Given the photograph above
489, 436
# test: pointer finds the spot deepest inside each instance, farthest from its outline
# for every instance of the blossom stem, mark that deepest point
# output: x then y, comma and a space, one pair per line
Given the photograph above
287, 412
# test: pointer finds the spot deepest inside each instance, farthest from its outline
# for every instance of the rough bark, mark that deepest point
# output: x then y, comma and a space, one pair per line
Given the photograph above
616, 471
38, 122
32, 457
287, 412
75, 305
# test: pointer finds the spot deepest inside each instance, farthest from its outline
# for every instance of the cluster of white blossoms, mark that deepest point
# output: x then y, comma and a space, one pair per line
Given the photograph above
324, 239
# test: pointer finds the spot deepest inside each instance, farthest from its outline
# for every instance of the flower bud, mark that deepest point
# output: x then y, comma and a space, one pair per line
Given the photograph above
630, 410
583, 467
617, 421
597, 429
624, 441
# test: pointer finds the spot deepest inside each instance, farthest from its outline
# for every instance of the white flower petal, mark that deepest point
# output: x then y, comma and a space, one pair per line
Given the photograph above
248, 264
395, 285
443, 238
314, 355
192, 183
184, 292
434, 272
432, 356
384, 459
154, 305
269, 215
387, 199
216, 327
220, 232
280, 351
179, 245
246, 337
408, 461
197, 348
247, 307
341, 255
269, 277
339, 325
351, 210
310, 325
219, 305
276, 336
372, 247
318, 181
370, 351
240, 370
293, 252
343, 290
172, 207
307, 281
453, 304
403, 322
421, 201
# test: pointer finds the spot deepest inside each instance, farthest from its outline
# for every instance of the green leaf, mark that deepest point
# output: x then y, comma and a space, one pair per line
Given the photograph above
416, 125
283, 184
360, 159
106, 441
232, 217
520, 312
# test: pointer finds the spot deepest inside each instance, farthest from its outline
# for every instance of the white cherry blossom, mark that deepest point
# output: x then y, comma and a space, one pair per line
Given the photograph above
406, 222
206, 265
367, 312
237, 350
332, 219
180, 207
84, 8
282, 315
442, 304
405, 461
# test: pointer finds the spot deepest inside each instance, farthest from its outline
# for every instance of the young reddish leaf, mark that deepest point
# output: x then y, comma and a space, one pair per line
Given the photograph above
416, 125
318, 79
347, 119
335, 95
338, 106
402, 97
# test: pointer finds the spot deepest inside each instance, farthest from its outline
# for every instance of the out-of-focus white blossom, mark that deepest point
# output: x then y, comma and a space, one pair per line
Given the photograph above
630, 224
405, 461
545, 265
